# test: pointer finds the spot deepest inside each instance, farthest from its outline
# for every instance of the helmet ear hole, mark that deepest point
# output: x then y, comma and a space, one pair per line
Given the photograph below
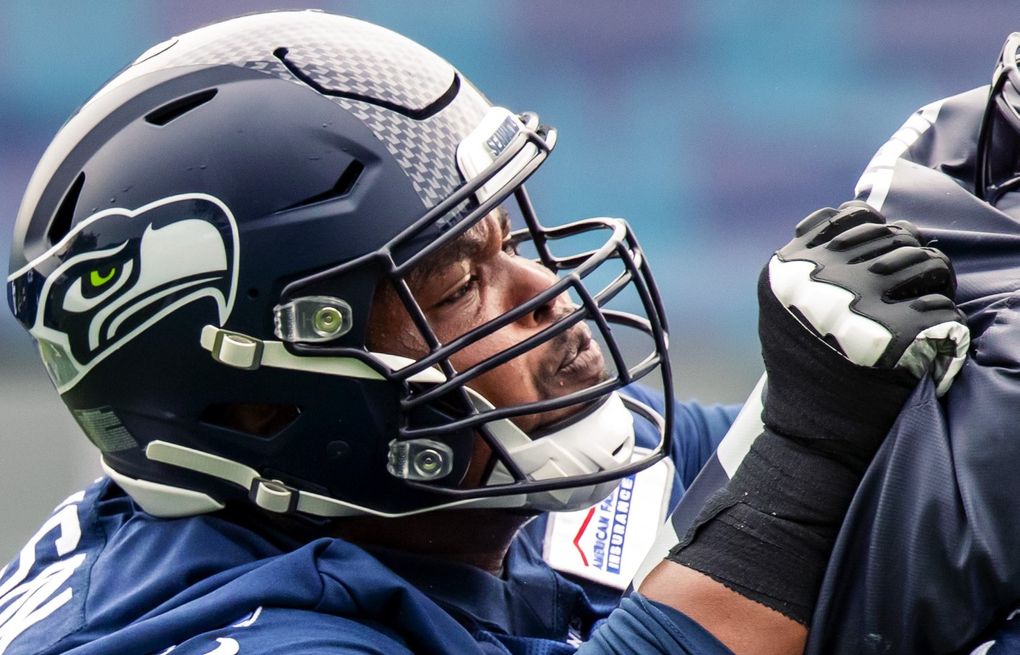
262, 420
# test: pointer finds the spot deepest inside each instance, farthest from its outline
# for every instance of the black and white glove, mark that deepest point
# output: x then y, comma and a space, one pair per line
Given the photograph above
851, 313
872, 292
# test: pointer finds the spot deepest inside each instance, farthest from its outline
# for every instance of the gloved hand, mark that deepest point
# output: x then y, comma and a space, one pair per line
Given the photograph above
872, 292
852, 311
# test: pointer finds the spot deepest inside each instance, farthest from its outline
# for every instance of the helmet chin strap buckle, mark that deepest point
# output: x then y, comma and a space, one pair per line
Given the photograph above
312, 319
420, 460
273, 496
232, 348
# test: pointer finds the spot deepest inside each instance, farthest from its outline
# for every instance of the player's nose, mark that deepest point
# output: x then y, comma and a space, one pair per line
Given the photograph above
529, 279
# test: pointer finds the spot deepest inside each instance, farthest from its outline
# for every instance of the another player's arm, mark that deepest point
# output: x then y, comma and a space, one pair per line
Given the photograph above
750, 568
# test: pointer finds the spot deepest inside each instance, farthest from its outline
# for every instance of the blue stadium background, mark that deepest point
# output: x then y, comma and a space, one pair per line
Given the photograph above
712, 126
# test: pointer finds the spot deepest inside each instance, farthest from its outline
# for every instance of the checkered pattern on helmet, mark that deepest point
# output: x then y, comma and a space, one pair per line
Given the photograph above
348, 56
426, 149
341, 54
388, 70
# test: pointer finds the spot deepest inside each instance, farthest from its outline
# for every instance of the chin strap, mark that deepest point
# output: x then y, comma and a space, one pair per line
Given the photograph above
247, 352
597, 441
600, 441
168, 501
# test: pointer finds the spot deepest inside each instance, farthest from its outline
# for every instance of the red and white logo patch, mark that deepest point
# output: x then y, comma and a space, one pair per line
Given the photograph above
607, 542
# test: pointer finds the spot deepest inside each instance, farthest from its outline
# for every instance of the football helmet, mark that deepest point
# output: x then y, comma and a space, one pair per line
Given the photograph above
208, 233
997, 160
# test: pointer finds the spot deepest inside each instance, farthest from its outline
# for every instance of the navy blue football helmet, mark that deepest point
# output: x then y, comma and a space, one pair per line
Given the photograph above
206, 235
997, 165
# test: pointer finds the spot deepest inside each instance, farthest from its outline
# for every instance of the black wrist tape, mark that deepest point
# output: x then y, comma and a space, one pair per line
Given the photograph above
768, 534
838, 406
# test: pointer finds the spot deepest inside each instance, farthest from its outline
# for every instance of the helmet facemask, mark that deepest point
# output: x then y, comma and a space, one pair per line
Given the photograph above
997, 165
594, 263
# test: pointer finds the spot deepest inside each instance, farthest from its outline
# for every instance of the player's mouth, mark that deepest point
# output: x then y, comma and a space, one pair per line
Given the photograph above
583, 357
581, 365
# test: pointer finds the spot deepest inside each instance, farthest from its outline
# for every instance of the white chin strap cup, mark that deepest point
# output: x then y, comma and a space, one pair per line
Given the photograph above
600, 441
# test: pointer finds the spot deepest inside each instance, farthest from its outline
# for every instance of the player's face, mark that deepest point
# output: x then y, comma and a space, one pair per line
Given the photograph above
473, 280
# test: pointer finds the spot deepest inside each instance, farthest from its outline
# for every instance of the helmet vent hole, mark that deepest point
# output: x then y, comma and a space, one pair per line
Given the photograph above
344, 184
347, 179
262, 420
60, 225
174, 110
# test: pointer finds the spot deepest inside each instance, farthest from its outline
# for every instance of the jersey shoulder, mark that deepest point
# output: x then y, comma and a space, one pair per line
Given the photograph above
270, 630
100, 576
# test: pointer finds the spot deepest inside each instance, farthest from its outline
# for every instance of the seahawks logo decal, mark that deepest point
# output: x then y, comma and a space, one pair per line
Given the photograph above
119, 272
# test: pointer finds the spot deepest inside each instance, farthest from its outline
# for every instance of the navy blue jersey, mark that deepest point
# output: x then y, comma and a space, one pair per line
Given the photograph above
1004, 639
928, 555
101, 576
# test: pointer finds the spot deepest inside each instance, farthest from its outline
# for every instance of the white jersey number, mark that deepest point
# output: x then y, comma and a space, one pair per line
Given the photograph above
24, 602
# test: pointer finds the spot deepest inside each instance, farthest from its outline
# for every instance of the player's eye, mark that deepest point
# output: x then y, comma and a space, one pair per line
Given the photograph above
459, 293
